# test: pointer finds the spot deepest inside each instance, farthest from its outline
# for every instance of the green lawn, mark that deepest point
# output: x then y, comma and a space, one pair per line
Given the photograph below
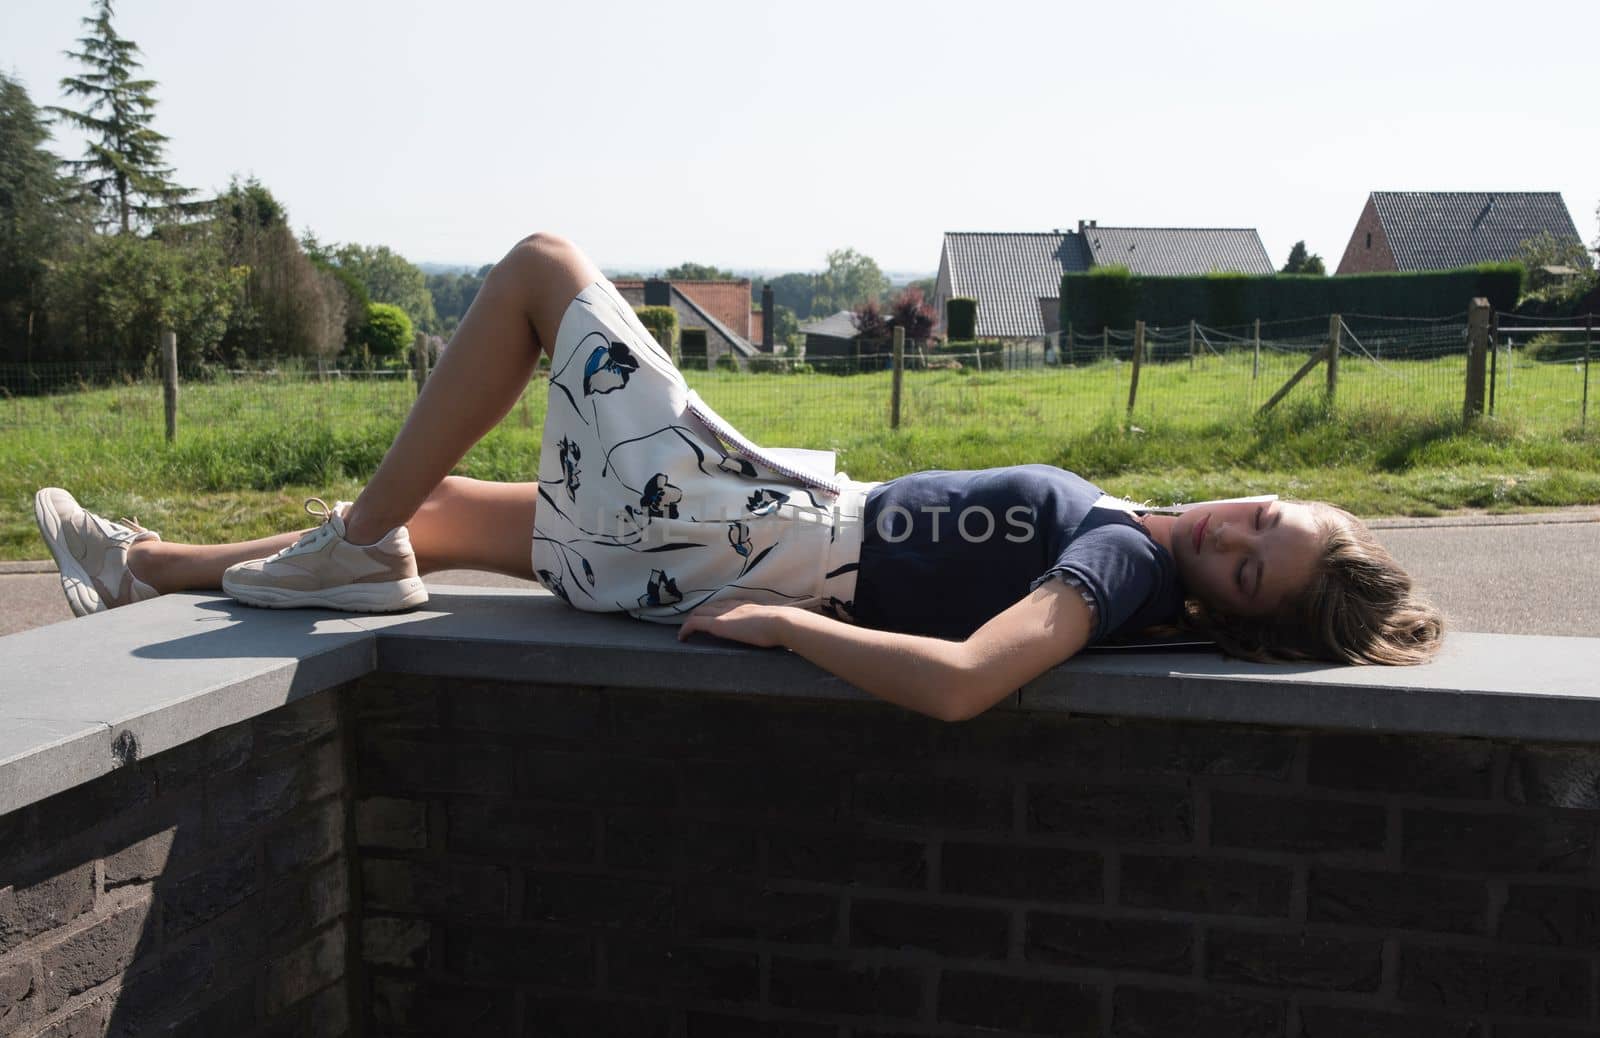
248, 452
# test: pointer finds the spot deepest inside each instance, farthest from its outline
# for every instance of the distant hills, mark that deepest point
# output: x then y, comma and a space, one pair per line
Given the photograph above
896, 277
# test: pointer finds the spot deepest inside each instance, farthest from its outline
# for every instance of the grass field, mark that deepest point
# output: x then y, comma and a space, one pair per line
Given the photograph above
248, 452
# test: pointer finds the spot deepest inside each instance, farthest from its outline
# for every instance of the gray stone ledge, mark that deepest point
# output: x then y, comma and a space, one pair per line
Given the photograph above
168, 671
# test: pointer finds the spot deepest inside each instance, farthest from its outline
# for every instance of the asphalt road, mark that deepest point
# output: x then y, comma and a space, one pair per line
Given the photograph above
1536, 574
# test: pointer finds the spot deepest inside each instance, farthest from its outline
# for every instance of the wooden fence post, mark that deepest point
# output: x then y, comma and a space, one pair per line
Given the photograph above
899, 370
1255, 367
169, 381
1335, 344
1494, 356
1138, 360
1588, 348
1305, 369
1191, 344
1477, 355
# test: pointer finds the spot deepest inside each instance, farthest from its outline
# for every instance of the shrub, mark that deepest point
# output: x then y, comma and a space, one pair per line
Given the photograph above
662, 321
387, 331
727, 362
961, 318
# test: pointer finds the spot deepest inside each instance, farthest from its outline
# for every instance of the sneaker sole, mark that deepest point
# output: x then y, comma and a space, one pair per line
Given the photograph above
351, 598
75, 580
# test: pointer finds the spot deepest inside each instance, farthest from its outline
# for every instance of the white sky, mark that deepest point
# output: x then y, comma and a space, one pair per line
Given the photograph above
761, 135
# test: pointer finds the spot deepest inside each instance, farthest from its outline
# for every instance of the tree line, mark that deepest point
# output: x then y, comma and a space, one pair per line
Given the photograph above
99, 254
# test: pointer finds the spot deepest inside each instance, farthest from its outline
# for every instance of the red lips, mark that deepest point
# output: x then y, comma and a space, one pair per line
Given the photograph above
1200, 531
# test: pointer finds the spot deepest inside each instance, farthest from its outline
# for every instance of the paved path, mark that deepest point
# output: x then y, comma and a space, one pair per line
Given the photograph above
1522, 574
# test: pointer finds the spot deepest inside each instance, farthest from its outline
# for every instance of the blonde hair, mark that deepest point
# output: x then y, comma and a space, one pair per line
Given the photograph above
1359, 608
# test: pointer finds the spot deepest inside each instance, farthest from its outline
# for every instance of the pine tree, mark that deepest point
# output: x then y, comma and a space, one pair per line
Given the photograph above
122, 167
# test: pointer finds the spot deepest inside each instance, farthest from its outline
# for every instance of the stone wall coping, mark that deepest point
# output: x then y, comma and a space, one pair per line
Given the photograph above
78, 699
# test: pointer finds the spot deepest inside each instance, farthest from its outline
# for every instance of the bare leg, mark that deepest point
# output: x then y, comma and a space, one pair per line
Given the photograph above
481, 375
463, 524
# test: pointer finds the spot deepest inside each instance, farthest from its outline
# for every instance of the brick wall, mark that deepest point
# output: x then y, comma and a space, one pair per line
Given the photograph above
555, 861
202, 891
1361, 258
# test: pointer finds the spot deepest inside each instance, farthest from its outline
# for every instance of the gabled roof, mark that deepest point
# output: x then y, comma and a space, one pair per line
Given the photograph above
1008, 273
691, 315
1167, 251
727, 301
1440, 230
841, 325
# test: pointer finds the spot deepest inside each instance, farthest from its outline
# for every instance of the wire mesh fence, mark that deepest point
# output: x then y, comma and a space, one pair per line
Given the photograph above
1197, 375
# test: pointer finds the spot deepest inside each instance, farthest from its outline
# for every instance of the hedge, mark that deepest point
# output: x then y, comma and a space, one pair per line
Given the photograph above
1115, 297
659, 319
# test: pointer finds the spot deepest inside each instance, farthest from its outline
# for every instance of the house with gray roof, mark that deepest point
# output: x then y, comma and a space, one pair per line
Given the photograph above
1443, 230
1016, 277
832, 336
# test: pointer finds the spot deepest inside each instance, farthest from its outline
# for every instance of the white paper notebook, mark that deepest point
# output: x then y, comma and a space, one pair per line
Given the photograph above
812, 468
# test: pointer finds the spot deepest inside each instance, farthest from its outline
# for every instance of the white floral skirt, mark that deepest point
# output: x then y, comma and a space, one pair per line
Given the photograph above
652, 505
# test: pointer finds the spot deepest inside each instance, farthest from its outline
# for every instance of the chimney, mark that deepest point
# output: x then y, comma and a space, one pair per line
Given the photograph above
657, 292
769, 317
1081, 226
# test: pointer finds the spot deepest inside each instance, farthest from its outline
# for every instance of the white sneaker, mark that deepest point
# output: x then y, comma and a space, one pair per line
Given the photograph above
91, 552
323, 570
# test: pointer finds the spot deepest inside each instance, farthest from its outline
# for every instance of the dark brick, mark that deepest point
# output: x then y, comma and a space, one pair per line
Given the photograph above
315, 835
296, 724
1497, 843
396, 701
315, 964
963, 933
717, 910
597, 901
1018, 1003
168, 848
434, 886
713, 848
325, 1014
531, 834
391, 822
539, 716
1099, 812
200, 896
91, 1020
847, 858
1495, 982
596, 1018
1403, 764
1294, 960
1150, 1013
26, 912
865, 988
924, 799
1218, 886
206, 757
411, 763
1120, 944
1206, 749
642, 966
715, 1025
1539, 1030
95, 954
1069, 745
1342, 1022
1025, 873
767, 729
769, 790
249, 798
1295, 824
176, 988
17, 990
73, 825
547, 957
641, 840
586, 778
433, 1008
1568, 917
1391, 900
391, 941
1555, 776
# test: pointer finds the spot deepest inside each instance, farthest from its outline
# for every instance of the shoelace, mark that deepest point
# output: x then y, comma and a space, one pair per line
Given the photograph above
320, 511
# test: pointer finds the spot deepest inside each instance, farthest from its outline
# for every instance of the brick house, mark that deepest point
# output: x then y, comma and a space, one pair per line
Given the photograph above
1016, 277
714, 317
1443, 230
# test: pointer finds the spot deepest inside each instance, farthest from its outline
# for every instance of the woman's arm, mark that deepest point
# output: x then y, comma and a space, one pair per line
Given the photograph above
948, 680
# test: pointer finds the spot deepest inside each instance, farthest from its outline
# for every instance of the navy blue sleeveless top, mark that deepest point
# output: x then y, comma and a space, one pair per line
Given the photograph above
943, 552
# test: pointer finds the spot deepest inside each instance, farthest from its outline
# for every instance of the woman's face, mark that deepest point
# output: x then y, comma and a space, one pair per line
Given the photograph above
1246, 558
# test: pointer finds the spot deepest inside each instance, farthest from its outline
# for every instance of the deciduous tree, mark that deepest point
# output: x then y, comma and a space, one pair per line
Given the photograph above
390, 278
34, 222
1303, 262
850, 278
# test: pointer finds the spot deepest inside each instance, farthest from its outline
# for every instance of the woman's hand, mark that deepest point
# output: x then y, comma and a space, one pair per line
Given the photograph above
747, 622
